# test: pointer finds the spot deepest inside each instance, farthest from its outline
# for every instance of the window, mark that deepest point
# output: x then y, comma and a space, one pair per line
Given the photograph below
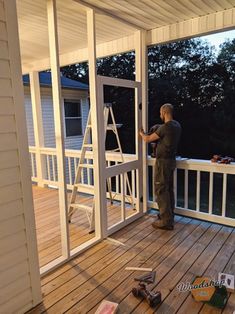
73, 117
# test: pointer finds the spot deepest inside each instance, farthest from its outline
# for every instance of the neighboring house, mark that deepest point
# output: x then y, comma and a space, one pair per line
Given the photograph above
75, 110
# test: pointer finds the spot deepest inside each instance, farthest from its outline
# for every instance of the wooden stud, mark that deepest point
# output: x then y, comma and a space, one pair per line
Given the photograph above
37, 125
59, 133
97, 119
142, 76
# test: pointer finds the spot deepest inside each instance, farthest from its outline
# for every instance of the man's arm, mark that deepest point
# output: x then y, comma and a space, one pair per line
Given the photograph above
148, 138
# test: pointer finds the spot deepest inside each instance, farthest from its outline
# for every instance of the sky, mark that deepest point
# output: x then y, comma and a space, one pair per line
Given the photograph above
219, 38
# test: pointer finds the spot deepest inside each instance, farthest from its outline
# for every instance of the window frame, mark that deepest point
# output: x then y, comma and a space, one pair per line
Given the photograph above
75, 101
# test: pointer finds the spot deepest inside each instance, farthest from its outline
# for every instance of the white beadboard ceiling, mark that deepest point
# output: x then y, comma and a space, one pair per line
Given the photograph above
140, 14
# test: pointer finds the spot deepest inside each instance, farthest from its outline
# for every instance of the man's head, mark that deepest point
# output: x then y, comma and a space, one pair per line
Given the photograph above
166, 112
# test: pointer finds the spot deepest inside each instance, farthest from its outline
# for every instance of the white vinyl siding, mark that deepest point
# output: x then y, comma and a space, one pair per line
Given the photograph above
73, 142
19, 273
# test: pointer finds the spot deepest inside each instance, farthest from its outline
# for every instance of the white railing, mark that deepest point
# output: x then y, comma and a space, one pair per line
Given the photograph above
50, 176
203, 189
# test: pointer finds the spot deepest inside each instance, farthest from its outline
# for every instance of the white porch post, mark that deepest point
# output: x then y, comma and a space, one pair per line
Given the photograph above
141, 69
97, 119
37, 125
59, 134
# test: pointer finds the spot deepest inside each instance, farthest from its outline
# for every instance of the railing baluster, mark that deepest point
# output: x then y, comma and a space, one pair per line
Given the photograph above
175, 186
186, 188
198, 191
32, 165
75, 167
117, 181
89, 173
70, 171
82, 172
153, 184
53, 167
48, 168
210, 193
123, 183
133, 183
224, 195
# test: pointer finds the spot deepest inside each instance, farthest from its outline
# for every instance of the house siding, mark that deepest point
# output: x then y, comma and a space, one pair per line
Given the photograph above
19, 271
74, 142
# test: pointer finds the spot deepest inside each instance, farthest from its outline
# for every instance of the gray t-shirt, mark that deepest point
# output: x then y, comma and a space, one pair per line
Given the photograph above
169, 134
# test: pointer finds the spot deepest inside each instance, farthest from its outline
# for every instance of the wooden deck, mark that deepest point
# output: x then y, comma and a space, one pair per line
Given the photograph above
193, 248
46, 206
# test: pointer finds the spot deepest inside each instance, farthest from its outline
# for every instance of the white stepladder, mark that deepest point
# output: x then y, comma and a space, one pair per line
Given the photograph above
87, 146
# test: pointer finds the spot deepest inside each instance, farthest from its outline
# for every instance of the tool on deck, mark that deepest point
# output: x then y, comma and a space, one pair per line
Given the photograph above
148, 278
153, 298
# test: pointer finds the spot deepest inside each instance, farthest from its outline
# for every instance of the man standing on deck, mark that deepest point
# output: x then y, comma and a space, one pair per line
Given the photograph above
167, 135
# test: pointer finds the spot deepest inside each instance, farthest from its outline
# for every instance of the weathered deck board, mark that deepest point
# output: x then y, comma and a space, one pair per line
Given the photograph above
193, 248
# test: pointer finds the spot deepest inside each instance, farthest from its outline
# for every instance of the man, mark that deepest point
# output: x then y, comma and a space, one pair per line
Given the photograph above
168, 135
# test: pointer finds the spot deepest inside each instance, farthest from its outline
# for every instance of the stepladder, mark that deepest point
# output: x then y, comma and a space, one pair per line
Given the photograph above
75, 201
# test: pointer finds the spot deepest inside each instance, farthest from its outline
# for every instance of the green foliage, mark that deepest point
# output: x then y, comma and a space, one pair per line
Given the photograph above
224, 114
187, 74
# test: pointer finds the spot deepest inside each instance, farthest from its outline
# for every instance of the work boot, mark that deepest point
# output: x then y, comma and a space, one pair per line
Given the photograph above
159, 224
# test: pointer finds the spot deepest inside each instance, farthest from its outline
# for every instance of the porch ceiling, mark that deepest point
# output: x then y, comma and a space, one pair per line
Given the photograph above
33, 30
150, 15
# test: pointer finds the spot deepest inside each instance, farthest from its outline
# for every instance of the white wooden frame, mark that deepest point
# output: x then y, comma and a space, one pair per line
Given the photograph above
120, 169
37, 124
141, 61
97, 131
97, 138
58, 120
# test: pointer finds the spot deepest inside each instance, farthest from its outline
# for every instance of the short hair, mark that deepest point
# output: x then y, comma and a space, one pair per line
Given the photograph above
168, 108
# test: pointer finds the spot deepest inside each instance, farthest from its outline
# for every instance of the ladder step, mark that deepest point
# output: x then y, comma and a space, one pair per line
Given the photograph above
88, 145
81, 207
113, 150
112, 126
89, 126
82, 186
86, 165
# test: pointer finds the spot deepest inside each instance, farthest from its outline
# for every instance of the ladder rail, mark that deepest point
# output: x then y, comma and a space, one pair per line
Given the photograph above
86, 145
81, 161
126, 178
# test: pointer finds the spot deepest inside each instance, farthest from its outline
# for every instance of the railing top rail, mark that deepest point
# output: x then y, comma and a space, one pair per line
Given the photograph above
182, 163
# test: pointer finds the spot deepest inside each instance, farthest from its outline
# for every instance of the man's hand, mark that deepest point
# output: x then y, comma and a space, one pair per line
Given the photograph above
148, 138
141, 132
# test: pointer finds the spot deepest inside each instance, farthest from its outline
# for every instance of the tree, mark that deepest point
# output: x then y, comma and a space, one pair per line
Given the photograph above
188, 75
223, 126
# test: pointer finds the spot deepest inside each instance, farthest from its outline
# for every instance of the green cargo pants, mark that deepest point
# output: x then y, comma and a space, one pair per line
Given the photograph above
164, 170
